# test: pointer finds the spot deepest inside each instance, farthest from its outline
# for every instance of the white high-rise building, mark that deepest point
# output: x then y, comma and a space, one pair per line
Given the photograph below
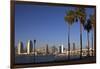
62, 48
29, 47
20, 47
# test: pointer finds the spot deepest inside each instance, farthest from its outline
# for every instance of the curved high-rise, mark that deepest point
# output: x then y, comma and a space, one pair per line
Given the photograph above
29, 47
20, 47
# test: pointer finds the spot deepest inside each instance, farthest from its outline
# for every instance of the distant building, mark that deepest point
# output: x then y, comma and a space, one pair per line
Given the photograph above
61, 49
53, 49
20, 47
25, 48
34, 46
29, 47
46, 50
16, 50
74, 47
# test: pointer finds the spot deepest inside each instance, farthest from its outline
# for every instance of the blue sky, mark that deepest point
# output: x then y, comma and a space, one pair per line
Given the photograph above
46, 24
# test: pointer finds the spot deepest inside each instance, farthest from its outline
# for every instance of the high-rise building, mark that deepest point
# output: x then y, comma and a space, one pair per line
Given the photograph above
29, 47
20, 47
61, 49
16, 50
73, 46
46, 50
34, 47
53, 49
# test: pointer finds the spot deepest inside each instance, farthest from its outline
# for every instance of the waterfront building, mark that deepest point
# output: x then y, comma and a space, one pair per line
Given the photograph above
20, 47
61, 49
46, 49
16, 49
73, 49
29, 47
53, 50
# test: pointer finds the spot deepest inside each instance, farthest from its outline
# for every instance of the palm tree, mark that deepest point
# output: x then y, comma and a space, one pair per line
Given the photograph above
92, 19
88, 27
81, 15
69, 18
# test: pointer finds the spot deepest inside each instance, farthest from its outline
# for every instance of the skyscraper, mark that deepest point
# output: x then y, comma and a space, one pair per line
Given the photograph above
29, 47
74, 47
53, 49
46, 49
61, 49
20, 47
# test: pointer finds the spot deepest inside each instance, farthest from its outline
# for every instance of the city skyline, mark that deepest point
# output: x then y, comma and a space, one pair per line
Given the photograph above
46, 24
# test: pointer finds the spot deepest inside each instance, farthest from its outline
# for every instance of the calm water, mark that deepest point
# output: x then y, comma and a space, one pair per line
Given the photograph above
38, 59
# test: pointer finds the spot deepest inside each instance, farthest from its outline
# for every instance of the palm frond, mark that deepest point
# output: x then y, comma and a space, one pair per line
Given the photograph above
70, 17
88, 25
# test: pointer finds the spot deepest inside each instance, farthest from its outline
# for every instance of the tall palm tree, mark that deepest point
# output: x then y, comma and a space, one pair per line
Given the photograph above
69, 18
92, 19
88, 27
81, 16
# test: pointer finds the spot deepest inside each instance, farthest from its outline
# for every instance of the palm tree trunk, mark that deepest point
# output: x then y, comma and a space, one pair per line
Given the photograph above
95, 35
92, 41
88, 43
69, 42
95, 41
80, 40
